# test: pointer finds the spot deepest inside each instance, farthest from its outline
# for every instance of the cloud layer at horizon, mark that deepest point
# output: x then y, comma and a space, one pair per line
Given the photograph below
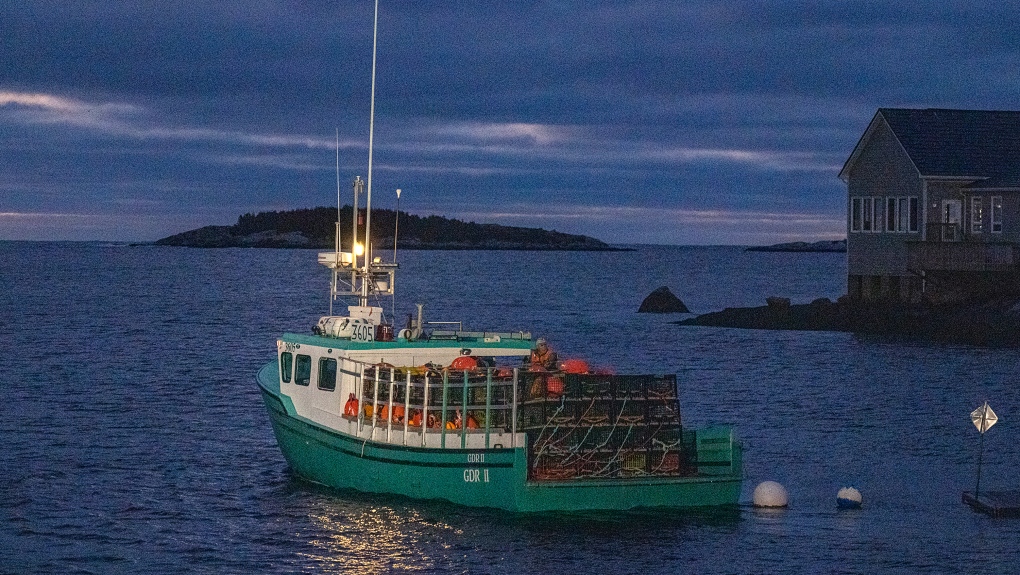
634, 122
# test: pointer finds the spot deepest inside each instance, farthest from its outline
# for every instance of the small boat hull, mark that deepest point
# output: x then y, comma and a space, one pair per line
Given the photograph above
495, 477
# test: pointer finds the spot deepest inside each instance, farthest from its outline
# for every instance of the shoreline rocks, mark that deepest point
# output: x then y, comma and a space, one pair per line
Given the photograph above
986, 323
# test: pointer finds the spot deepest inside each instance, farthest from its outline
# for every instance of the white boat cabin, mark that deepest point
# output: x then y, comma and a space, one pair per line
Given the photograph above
437, 389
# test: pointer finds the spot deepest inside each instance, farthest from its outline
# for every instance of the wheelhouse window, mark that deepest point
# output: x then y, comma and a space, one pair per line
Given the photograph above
327, 373
977, 214
996, 214
286, 365
303, 370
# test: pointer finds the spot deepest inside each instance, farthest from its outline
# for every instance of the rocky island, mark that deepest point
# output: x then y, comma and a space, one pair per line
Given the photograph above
835, 246
315, 228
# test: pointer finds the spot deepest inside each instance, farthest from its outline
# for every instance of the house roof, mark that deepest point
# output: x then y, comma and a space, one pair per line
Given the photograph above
979, 144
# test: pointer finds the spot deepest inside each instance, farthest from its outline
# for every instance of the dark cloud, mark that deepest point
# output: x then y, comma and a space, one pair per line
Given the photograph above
674, 122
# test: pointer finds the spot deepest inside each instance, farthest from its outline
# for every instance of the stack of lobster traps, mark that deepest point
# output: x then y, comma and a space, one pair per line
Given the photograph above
606, 426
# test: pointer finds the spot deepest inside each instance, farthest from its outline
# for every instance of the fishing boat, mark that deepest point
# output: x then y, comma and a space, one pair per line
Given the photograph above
434, 410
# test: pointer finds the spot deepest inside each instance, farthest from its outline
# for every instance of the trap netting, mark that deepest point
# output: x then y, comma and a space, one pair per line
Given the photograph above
604, 426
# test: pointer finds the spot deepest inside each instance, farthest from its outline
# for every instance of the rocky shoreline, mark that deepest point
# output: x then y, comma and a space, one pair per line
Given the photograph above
987, 323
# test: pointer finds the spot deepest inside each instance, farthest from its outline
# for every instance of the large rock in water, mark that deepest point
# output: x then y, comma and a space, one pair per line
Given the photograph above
662, 301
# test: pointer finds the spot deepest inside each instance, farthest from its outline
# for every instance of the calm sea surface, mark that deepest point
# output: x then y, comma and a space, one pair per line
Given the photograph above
133, 438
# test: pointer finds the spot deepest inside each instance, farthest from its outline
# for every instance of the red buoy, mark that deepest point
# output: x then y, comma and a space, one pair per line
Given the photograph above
575, 366
465, 362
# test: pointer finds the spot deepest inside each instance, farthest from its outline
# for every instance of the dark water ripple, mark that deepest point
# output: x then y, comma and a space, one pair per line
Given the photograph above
134, 439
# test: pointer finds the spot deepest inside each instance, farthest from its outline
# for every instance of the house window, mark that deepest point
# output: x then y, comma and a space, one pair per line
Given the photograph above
303, 370
977, 213
286, 361
901, 214
996, 214
855, 215
868, 222
327, 373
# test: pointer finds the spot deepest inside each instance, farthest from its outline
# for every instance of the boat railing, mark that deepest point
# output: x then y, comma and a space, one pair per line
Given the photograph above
449, 403
577, 426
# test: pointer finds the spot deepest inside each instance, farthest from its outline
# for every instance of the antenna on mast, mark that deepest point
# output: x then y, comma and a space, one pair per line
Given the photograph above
338, 192
371, 136
336, 251
396, 224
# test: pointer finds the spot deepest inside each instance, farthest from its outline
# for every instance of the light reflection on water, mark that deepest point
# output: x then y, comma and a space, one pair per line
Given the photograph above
377, 540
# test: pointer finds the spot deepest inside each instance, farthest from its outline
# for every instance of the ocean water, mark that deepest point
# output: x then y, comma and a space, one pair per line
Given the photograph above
133, 438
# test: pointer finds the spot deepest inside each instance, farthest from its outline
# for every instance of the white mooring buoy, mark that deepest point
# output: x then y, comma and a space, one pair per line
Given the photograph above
770, 494
849, 498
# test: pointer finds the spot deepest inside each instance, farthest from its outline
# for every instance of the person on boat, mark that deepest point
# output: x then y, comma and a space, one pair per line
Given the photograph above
415, 418
398, 414
543, 359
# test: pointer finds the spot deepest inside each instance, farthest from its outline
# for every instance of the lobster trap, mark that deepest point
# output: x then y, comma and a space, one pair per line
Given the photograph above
605, 427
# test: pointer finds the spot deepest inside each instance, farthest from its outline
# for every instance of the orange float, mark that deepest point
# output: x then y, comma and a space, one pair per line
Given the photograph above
465, 362
575, 366
351, 407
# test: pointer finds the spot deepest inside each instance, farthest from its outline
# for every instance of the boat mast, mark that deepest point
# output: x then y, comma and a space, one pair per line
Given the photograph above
359, 187
375, 277
371, 134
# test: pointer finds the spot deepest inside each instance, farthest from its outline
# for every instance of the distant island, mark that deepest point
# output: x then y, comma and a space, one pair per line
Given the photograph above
823, 246
316, 228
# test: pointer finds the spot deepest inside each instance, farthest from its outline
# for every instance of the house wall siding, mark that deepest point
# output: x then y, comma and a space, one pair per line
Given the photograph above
882, 170
941, 190
1010, 216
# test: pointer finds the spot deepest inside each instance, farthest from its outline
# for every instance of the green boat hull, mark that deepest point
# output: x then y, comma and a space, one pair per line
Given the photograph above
496, 478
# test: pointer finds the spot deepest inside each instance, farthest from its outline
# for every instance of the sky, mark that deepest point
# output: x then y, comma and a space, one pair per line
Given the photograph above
658, 122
